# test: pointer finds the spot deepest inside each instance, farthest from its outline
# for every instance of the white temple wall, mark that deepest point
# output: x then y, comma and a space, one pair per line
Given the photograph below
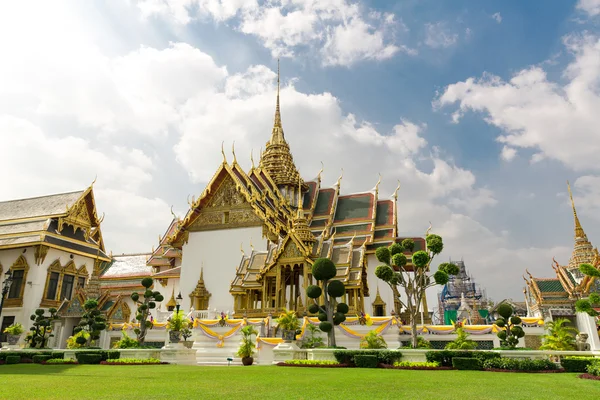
219, 253
384, 289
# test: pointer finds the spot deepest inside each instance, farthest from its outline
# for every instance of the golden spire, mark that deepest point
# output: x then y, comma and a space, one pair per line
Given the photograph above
277, 159
300, 223
172, 302
579, 233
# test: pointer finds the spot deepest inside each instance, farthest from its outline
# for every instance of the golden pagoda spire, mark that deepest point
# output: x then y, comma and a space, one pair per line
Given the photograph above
300, 223
172, 302
579, 233
277, 109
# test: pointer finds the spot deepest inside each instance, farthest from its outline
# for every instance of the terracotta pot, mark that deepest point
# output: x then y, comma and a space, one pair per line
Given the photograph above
174, 336
12, 339
247, 360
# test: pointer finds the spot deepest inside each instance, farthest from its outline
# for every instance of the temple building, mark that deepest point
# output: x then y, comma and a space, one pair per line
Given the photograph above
550, 297
247, 243
462, 289
53, 247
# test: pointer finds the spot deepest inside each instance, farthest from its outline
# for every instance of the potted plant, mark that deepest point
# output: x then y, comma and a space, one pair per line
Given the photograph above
186, 333
13, 333
288, 323
247, 345
176, 324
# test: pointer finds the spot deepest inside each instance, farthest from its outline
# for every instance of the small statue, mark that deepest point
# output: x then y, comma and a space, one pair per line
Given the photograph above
581, 342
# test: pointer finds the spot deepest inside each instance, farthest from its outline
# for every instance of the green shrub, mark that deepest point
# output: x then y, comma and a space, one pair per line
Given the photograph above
416, 364
576, 364
466, 363
13, 359
444, 357
311, 362
594, 368
383, 356
37, 359
365, 361
59, 361
516, 364
126, 361
88, 358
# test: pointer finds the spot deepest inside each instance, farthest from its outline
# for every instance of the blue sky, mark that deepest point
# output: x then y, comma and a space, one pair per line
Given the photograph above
142, 93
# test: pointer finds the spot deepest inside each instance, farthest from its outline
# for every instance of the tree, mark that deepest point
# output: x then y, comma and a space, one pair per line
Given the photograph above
41, 330
92, 322
510, 328
331, 312
373, 341
587, 305
560, 336
414, 281
144, 306
461, 342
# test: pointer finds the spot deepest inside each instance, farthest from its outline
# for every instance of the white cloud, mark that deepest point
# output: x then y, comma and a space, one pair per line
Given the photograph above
592, 7
438, 35
508, 153
341, 31
557, 121
497, 17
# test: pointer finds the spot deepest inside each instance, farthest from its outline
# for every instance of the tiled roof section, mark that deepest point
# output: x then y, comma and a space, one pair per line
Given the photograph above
385, 213
38, 206
23, 227
350, 229
355, 207
19, 240
324, 202
310, 196
549, 285
128, 265
169, 273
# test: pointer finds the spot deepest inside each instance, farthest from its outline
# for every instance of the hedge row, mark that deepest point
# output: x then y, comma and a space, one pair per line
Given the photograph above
382, 356
519, 364
444, 357
31, 354
365, 361
576, 364
466, 363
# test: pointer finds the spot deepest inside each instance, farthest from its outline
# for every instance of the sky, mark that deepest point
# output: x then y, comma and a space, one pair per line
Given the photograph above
481, 109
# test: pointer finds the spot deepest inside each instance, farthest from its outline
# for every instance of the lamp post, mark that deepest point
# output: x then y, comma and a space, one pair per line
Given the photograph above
178, 302
5, 288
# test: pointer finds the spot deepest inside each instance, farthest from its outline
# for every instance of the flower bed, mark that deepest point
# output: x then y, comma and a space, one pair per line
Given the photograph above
544, 371
589, 376
133, 361
416, 365
387, 366
312, 364
59, 361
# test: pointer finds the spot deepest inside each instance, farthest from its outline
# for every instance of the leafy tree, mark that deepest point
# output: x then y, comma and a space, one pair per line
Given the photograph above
331, 312
150, 298
587, 305
560, 336
510, 327
93, 322
414, 281
461, 342
311, 340
41, 330
373, 341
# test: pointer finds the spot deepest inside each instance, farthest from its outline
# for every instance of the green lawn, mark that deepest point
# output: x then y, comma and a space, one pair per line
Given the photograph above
29, 381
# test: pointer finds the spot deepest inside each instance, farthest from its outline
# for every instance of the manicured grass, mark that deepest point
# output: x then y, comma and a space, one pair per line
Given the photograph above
31, 381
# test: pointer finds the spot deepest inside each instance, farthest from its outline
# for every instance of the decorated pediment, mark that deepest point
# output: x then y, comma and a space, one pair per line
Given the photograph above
226, 195
78, 217
120, 312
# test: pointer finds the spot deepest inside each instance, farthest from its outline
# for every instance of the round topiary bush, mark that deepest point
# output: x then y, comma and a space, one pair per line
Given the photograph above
441, 278
336, 289
323, 269
313, 291
313, 309
325, 326
396, 248
420, 259
383, 254
505, 310
434, 243
408, 244
338, 318
515, 320
343, 308
384, 272
399, 260
322, 317
147, 282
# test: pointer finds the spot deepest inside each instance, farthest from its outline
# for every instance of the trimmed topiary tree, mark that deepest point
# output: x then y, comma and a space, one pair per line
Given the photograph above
510, 327
41, 330
395, 272
330, 313
150, 298
92, 322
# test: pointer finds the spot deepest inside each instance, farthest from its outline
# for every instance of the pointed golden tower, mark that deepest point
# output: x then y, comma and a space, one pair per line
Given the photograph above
583, 251
300, 223
277, 159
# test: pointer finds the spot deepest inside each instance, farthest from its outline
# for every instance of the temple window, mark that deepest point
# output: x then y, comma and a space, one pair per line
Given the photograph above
81, 281
17, 284
52, 286
226, 217
67, 287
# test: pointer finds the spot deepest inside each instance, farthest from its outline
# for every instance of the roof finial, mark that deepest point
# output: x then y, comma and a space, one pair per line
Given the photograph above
252, 158
251, 246
428, 229
233, 152
377, 184
94, 181
223, 152
339, 181
320, 171
173, 214
277, 110
242, 249
396, 191
579, 233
